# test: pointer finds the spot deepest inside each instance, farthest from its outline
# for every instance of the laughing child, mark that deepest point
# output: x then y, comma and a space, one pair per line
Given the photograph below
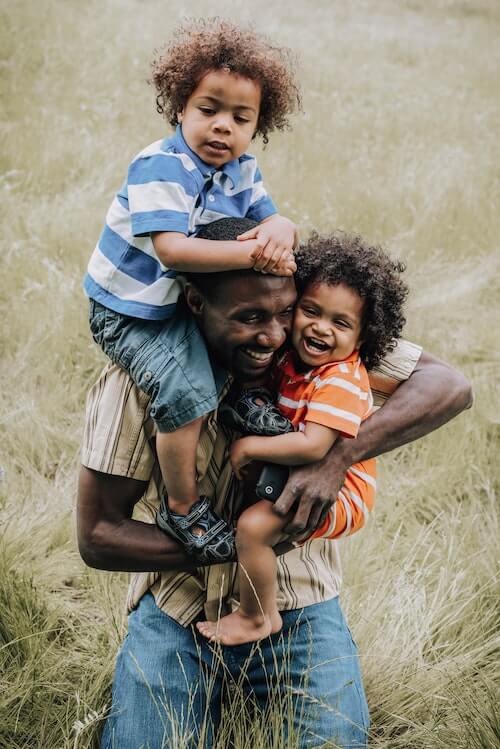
349, 314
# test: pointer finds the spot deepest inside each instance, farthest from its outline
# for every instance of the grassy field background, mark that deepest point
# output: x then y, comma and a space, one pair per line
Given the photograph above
399, 141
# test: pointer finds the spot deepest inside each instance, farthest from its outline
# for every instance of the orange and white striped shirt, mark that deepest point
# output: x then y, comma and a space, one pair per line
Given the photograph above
336, 395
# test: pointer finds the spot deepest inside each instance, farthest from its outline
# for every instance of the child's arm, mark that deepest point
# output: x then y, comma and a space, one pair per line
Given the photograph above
192, 255
292, 449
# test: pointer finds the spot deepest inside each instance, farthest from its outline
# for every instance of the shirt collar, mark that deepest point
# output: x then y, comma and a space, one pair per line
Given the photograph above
288, 366
231, 169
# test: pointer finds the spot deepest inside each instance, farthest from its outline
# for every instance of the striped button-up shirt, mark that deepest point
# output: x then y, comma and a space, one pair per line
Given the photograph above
119, 440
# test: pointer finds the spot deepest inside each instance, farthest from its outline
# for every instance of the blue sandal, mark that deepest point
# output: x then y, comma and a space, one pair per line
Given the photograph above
214, 545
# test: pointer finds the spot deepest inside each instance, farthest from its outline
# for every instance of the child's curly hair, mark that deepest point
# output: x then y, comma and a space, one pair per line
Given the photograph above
205, 44
349, 259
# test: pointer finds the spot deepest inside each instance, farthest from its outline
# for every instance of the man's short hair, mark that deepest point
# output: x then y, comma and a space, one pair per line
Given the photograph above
223, 230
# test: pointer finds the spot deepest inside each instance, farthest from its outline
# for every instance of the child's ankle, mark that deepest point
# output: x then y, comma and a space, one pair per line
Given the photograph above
180, 507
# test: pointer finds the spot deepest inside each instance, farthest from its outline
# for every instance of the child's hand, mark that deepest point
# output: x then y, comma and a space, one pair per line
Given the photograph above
275, 239
239, 455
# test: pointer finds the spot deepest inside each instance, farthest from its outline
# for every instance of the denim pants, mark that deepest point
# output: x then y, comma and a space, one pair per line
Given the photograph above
167, 359
170, 683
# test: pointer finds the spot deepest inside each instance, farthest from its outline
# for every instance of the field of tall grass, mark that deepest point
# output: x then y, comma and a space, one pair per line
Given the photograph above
399, 140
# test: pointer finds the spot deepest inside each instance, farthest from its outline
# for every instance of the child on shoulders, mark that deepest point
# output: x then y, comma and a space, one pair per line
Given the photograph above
349, 314
219, 86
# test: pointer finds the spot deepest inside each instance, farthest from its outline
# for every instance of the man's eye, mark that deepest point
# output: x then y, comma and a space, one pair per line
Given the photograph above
251, 320
287, 312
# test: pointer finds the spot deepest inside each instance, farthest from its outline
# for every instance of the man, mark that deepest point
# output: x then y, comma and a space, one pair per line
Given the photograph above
162, 689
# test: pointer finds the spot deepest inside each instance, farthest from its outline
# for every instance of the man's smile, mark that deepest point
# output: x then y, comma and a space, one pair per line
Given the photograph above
264, 358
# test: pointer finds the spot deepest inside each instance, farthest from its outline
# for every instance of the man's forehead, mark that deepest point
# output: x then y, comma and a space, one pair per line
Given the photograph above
256, 290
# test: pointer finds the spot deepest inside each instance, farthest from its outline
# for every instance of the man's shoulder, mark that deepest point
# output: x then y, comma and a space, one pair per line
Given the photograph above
118, 428
396, 367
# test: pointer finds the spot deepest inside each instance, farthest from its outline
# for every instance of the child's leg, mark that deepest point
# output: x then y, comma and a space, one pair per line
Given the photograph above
177, 457
259, 530
168, 360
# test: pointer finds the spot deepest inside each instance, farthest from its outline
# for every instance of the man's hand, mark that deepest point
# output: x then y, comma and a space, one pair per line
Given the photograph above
276, 238
313, 489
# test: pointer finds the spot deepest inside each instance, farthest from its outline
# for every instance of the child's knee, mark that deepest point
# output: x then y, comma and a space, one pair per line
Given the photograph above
258, 525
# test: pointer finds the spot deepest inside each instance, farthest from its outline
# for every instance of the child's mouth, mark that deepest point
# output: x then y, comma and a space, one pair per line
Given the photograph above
316, 345
217, 145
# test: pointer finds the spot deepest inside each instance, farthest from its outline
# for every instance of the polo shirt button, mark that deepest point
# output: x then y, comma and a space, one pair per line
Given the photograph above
211, 198
147, 376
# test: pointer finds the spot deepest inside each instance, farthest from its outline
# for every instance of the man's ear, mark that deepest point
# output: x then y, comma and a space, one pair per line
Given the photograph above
194, 299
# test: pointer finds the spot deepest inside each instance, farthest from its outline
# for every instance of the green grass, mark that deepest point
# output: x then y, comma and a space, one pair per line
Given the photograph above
399, 141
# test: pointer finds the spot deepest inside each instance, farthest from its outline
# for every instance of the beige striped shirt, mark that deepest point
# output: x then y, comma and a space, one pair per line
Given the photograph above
119, 440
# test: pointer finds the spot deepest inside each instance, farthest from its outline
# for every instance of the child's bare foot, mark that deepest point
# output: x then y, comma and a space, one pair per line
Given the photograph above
237, 628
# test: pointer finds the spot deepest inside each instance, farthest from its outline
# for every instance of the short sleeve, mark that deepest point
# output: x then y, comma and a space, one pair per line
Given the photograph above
161, 193
395, 368
117, 427
261, 205
340, 400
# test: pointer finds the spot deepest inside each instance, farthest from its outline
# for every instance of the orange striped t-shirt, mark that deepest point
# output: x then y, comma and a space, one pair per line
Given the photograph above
338, 396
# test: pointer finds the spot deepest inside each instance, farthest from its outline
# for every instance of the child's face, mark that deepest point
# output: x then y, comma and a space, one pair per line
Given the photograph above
220, 117
327, 323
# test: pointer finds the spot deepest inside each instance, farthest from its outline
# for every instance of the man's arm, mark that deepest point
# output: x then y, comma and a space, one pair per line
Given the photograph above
433, 394
109, 539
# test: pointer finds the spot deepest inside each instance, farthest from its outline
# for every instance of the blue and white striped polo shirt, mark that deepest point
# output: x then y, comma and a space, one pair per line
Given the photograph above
168, 188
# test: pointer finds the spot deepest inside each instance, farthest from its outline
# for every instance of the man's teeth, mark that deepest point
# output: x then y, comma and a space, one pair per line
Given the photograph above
258, 355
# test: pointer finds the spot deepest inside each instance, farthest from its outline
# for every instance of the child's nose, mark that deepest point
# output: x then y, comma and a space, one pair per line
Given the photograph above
222, 122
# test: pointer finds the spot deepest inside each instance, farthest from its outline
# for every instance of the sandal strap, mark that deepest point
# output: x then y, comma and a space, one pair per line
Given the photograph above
216, 544
196, 512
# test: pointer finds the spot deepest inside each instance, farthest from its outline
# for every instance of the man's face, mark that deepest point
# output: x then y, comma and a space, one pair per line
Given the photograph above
247, 322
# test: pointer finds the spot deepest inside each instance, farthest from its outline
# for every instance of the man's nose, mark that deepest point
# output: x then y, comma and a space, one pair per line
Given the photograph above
272, 336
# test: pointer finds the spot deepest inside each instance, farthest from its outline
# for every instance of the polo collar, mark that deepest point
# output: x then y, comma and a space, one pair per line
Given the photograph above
290, 371
231, 169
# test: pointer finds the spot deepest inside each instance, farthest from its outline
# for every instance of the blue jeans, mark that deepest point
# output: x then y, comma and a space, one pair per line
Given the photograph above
170, 683
167, 359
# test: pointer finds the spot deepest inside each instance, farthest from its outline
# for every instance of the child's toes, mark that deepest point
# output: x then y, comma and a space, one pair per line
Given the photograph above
207, 629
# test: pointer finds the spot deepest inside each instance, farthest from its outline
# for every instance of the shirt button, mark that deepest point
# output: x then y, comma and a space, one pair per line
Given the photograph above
148, 376
211, 198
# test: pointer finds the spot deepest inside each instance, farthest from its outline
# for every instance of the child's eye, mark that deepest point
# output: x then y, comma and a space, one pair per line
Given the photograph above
207, 110
238, 118
310, 311
342, 324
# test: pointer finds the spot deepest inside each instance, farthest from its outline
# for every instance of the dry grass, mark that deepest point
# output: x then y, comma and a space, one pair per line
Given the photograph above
399, 141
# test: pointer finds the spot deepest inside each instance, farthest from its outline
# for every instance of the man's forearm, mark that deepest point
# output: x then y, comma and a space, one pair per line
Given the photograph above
108, 537
134, 546
434, 395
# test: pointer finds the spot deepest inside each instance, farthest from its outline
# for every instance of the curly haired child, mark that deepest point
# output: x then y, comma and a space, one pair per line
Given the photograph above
219, 86
349, 314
